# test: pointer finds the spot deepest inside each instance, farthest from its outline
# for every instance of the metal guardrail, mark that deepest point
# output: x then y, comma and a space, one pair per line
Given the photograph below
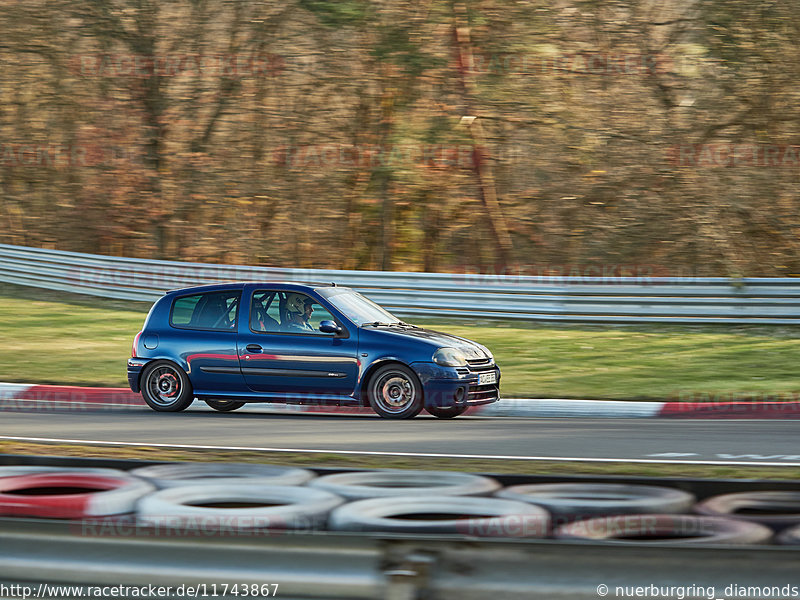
774, 301
394, 567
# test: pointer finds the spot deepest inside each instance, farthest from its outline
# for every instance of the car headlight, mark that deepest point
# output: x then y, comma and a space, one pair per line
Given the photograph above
449, 357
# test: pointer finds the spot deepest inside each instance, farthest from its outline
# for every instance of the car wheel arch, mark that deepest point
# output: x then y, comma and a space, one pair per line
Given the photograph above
179, 364
374, 366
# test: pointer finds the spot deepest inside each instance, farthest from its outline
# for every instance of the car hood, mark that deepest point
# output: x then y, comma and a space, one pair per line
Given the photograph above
437, 339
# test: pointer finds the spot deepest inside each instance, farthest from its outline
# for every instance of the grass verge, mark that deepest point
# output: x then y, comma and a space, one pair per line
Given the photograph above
58, 338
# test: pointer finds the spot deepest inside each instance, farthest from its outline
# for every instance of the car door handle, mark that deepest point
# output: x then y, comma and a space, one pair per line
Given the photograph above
253, 348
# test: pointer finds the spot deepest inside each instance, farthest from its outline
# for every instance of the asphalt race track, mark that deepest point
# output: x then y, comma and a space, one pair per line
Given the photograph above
739, 441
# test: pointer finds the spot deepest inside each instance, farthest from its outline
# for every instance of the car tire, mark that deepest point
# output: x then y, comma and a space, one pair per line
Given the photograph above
577, 501
465, 515
224, 405
13, 471
777, 509
264, 507
449, 412
166, 387
789, 537
172, 475
71, 495
394, 392
396, 482
669, 529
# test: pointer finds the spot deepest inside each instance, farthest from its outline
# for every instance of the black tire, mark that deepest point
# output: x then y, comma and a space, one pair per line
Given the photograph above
394, 392
446, 413
224, 405
166, 387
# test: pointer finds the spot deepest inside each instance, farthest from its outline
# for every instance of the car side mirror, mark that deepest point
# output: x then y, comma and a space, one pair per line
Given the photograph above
329, 327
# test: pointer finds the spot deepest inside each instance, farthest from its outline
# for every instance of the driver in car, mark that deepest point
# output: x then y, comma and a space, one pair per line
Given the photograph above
300, 308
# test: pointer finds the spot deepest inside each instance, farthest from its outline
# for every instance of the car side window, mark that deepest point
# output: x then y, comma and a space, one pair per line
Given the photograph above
319, 314
264, 312
273, 311
208, 311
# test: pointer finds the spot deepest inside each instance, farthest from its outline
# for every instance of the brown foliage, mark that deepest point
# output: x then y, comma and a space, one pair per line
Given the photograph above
316, 133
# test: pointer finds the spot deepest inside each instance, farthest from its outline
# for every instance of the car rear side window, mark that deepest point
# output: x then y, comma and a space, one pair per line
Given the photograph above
210, 311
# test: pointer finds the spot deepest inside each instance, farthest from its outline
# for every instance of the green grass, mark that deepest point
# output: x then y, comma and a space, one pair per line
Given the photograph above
48, 337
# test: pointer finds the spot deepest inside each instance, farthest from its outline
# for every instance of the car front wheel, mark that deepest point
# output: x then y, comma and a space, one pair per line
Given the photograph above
394, 392
166, 387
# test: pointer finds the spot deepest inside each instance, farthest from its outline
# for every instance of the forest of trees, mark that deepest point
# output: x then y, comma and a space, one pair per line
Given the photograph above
436, 135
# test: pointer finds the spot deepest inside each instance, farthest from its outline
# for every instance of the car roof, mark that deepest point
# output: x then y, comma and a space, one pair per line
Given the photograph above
237, 285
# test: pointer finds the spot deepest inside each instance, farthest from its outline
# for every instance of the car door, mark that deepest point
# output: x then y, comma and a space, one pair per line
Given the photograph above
203, 333
276, 359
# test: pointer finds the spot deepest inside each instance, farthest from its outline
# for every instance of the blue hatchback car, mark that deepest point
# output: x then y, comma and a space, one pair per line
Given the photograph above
228, 344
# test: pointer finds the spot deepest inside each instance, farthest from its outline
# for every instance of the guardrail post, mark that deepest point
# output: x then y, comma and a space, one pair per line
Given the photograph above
409, 577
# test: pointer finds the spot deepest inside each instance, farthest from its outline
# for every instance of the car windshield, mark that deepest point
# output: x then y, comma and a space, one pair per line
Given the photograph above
357, 308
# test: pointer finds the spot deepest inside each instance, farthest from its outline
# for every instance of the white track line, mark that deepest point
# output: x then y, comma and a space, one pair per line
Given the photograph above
403, 454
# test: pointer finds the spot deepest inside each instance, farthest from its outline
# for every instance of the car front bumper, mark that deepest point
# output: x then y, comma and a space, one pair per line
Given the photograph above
457, 386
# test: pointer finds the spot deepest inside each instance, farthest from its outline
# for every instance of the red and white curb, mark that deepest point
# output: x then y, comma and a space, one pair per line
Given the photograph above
32, 398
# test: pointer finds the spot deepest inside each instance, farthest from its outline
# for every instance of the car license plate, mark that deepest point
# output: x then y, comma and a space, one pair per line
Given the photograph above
487, 378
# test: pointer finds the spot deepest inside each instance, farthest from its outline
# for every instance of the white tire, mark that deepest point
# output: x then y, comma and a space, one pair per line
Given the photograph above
777, 509
790, 536
100, 495
187, 508
665, 529
183, 474
465, 515
12, 471
571, 501
377, 484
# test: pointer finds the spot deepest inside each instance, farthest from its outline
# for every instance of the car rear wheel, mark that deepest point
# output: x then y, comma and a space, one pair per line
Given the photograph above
394, 392
224, 405
166, 387
446, 413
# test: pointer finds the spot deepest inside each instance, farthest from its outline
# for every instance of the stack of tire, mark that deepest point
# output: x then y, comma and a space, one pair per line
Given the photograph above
69, 493
626, 513
364, 501
236, 499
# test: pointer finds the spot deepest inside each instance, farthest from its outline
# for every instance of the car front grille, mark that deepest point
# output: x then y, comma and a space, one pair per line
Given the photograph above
481, 393
481, 364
